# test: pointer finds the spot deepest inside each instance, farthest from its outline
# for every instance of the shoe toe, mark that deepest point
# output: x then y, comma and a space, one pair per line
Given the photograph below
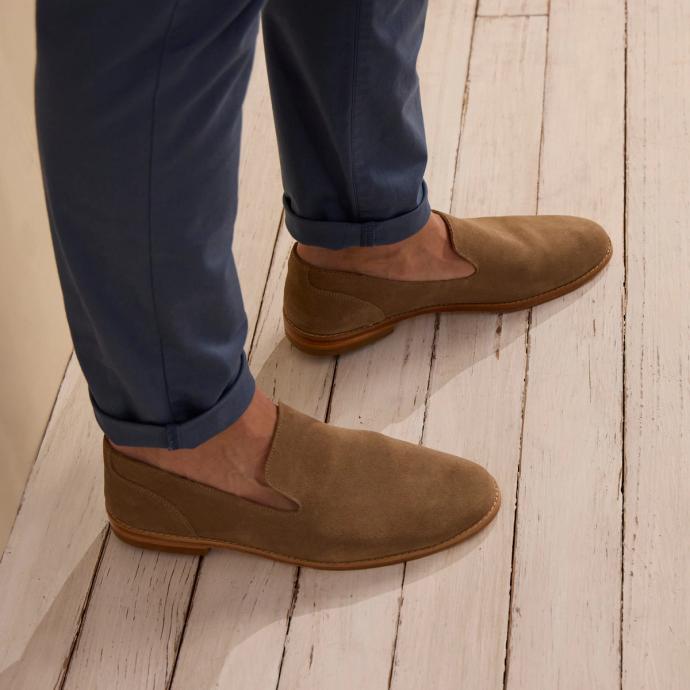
558, 250
585, 245
470, 498
453, 499
480, 492
528, 257
368, 499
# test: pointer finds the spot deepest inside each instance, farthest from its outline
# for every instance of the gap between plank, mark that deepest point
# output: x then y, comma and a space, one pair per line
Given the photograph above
397, 626
82, 615
290, 613
511, 16
506, 656
190, 604
528, 334
437, 323
624, 328
298, 572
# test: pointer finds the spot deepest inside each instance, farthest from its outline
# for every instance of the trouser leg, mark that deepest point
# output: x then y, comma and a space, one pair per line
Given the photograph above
348, 116
138, 112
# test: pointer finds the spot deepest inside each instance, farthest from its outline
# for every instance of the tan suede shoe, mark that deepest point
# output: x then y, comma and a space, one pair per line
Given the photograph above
519, 261
361, 500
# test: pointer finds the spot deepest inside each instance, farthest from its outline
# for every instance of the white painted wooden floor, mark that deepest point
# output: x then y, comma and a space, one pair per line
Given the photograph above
580, 408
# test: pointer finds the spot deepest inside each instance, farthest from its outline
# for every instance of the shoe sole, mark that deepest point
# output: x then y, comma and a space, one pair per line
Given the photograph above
328, 345
200, 547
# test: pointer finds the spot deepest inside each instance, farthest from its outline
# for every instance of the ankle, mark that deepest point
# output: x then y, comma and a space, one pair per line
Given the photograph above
426, 255
380, 257
350, 258
255, 426
233, 461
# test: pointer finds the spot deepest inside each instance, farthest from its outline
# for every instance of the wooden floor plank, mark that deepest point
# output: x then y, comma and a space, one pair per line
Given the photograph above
508, 8
147, 603
117, 647
656, 619
454, 615
566, 595
48, 565
343, 628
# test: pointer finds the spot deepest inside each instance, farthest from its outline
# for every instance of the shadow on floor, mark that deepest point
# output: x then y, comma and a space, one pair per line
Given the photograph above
41, 660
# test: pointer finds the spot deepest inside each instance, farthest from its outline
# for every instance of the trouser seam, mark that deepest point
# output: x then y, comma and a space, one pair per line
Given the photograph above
353, 105
156, 320
368, 234
172, 437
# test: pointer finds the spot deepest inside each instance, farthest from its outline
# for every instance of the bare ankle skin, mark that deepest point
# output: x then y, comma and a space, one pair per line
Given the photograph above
427, 255
234, 460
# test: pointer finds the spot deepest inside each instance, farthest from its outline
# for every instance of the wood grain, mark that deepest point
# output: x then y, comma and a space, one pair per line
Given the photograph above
566, 605
147, 604
656, 619
508, 8
454, 615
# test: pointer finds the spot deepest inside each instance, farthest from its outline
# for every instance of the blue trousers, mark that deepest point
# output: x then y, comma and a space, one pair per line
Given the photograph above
138, 108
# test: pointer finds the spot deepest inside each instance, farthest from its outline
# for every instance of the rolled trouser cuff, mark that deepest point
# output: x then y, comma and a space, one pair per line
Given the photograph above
339, 235
187, 434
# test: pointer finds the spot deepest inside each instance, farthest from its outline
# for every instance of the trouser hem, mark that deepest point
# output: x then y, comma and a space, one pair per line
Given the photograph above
187, 434
339, 235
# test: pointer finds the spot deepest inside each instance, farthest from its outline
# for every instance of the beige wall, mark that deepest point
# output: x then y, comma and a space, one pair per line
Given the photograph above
34, 342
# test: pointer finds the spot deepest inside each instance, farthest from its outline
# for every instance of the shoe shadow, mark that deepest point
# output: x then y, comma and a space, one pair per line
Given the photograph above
247, 608
239, 614
381, 371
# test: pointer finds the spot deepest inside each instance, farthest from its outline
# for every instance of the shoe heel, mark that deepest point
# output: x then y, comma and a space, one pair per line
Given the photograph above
326, 347
156, 542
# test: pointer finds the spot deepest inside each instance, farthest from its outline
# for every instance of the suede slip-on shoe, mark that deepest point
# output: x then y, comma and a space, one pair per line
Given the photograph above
360, 499
519, 262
